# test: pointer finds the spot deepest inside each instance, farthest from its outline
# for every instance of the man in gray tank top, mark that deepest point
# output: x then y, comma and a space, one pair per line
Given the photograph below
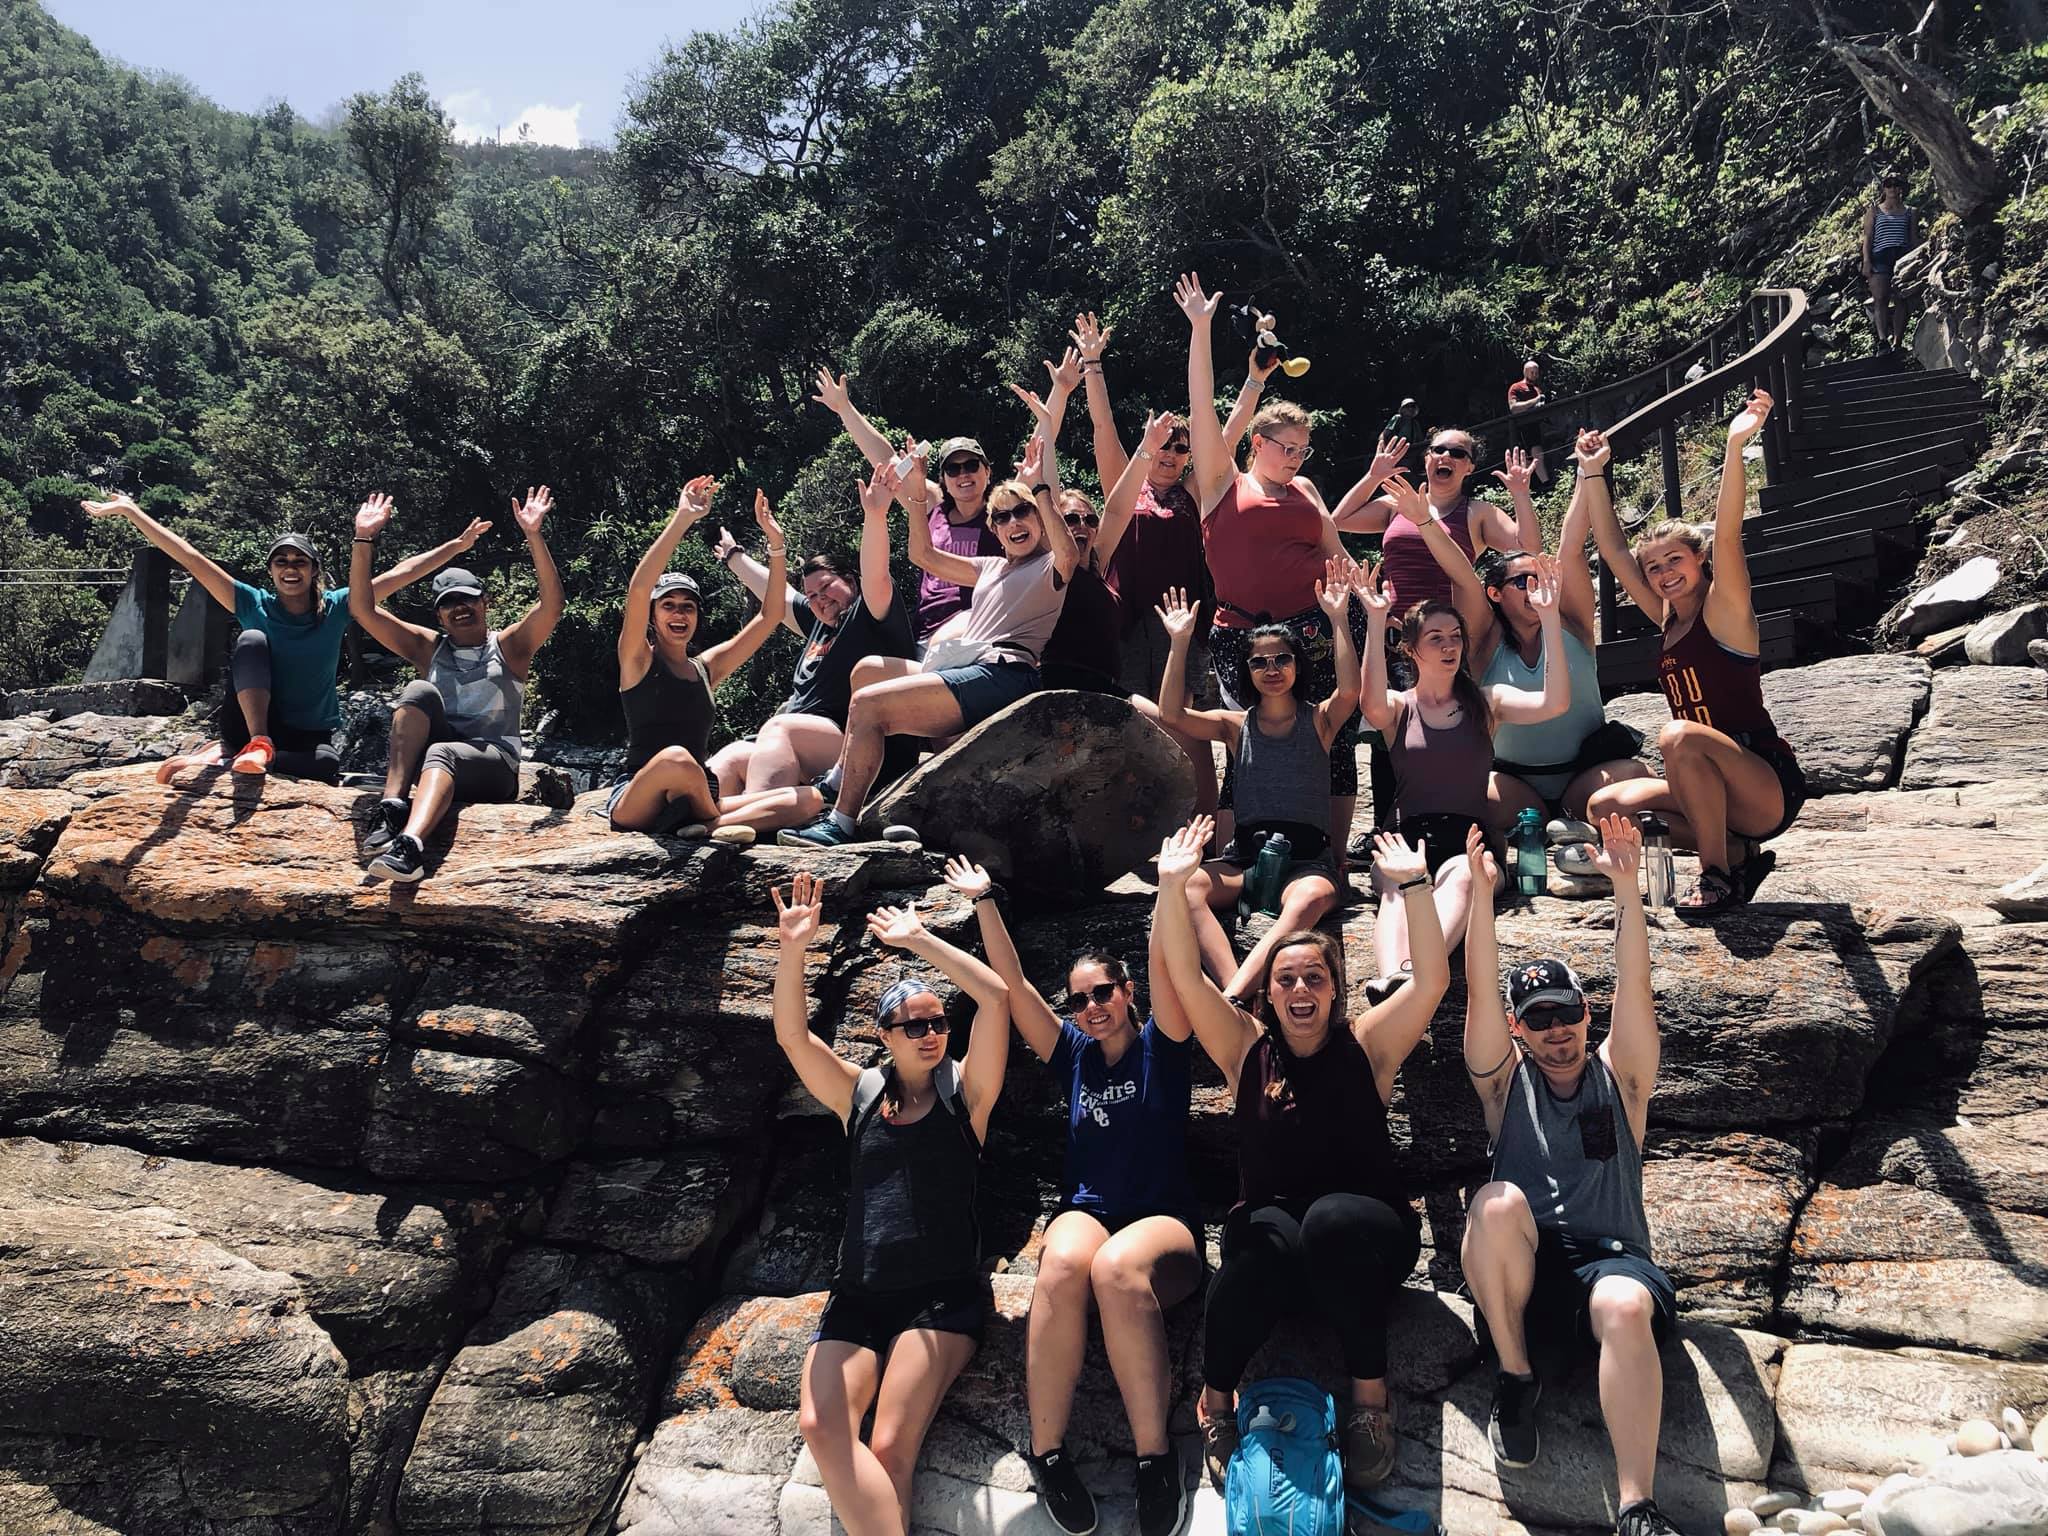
1557, 1249
455, 732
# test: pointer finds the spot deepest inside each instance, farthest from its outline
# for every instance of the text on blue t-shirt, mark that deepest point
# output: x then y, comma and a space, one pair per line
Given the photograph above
1126, 1124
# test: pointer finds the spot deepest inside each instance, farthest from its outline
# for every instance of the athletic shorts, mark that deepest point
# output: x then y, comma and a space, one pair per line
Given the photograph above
675, 814
984, 688
1115, 1221
1441, 834
1613, 742
1882, 262
1791, 780
1558, 1320
872, 1319
1057, 674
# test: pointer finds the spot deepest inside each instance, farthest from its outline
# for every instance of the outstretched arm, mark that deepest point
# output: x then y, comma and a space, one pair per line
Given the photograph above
1179, 616
988, 1043
1730, 613
219, 585
924, 554
1225, 1033
1333, 596
1621, 560
1519, 706
1378, 703
413, 567
1213, 469
1246, 406
532, 631
1362, 509
1575, 596
409, 641
727, 657
1122, 500
838, 399
1632, 1046
1493, 528
1389, 1030
826, 1075
1090, 338
1029, 1011
1489, 1047
1039, 470
691, 506
1168, 1012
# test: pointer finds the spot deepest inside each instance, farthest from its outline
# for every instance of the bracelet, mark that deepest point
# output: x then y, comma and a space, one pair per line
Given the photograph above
773, 552
359, 539
1093, 365
994, 893
726, 558
1041, 489
1409, 885
1254, 382
1142, 453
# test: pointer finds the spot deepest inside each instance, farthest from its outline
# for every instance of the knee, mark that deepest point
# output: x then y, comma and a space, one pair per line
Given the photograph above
421, 695
1497, 1210
1063, 1272
1118, 1277
677, 762
1621, 1308
894, 1448
252, 645
824, 1430
1199, 887
1677, 737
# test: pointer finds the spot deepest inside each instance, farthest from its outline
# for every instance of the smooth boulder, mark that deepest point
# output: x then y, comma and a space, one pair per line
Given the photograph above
1958, 595
1985, 723
2001, 639
2004, 1493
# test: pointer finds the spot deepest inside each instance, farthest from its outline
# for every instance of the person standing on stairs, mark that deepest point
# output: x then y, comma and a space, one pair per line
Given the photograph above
1729, 778
1888, 230
1556, 1251
1125, 1239
909, 1297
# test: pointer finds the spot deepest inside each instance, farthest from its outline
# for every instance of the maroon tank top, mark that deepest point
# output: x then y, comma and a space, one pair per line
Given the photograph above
1327, 1135
1411, 573
1704, 681
1439, 772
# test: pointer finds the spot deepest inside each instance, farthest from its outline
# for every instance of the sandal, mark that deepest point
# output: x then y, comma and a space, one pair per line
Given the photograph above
1754, 870
257, 756
1219, 1443
1714, 893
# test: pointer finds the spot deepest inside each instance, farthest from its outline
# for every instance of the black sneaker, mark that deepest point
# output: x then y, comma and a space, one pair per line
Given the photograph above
1644, 1518
404, 861
1512, 1427
1163, 1501
391, 817
1068, 1503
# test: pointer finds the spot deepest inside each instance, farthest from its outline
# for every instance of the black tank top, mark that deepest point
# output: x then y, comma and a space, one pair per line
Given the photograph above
910, 1202
663, 710
1326, 1134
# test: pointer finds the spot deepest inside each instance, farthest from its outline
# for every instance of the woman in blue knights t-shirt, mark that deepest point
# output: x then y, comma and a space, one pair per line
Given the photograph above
1126, 1233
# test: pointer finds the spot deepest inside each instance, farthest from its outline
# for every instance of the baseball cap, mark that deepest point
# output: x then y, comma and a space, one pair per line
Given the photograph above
676, 581
953, 445
1411, 404
1543, 981
296, 541
455, 582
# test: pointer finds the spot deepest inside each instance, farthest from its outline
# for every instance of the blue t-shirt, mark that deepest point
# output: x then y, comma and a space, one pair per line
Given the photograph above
305, 654
1126, 1124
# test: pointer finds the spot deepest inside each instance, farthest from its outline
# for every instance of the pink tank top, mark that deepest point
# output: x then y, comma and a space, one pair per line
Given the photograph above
1413, 574
1265, 553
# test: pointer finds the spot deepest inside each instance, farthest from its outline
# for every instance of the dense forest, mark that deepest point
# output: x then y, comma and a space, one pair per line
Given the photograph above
250, 321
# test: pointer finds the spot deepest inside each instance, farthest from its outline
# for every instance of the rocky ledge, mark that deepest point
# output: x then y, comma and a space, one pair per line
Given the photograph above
488, 1206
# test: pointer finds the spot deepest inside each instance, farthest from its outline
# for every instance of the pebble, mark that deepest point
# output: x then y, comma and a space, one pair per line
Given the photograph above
1788, 1519
1818, 1522
2014, 1425
1770, 1505
2040, 1441
1978, 1437
1741, 1522
1843, 1501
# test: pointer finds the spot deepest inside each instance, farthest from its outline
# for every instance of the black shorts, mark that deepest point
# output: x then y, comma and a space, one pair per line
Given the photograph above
1115, 1221
1062, 674
1791, 780
1558, 1322
673, 815
1441, 834
1615, 741
872, 1319
1882, 262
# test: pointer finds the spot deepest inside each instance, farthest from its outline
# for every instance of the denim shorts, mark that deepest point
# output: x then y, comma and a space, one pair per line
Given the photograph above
984, 688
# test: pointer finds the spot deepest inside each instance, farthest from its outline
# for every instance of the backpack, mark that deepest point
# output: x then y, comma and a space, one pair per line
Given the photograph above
867, 1095
1285, 1478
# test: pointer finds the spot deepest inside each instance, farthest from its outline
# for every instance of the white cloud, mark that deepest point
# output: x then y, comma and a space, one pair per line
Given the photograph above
546, 124
475, 122
471, 113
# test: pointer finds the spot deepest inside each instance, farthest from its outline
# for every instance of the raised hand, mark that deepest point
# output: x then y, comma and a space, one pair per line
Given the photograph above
1365, 586
1030, 468
1515, 471
1194, 303
1746, 425
898, 927
1387, 458
968, 878
764, 518
1544, 589
120, 504
1178, 615
1254, 369
1090, 337
1037, 407
1181, 854
693, 502
1592, 451
1410, 502
796, 920
832, 393
879, 491
913, 491
722, 551
1157, 430
528, 513
1485, 868
1620, 850
1067, 376
374, 515
1333, 592
478, 527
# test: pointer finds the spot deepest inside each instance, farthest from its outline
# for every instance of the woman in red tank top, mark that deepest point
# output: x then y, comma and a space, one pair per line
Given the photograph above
1728, 776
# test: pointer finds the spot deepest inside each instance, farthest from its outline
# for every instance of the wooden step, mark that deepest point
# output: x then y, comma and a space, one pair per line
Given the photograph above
1896, 528
1807, 484
1861, 368
1880, 420
1945, 381
1852, 558
1631, 662
1917, 482
1832, 437
1952, 445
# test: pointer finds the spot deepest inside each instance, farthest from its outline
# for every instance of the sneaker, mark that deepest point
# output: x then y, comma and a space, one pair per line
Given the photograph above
404, 861
1065, 1499
1512, 1427
1368, 1446
256, 757
1219, 1444
1380, 988
733, 837
822, 833
1163, 1497
1644, 1518
392, 815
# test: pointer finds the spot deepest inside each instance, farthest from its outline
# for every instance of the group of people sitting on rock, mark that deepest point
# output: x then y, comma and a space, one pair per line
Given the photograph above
1216, 595
1556, 1247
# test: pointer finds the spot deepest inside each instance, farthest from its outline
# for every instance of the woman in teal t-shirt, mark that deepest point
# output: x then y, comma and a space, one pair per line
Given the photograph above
281, 708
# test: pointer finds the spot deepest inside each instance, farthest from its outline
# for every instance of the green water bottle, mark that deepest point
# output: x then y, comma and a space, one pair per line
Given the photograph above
1269, 873
1532, 866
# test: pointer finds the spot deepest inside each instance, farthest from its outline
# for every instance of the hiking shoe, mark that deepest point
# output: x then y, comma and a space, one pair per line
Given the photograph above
1644, 1518
256, 757
1368, 1446
404, 861
1219, 1444
391, 817
1163, 1498
1512, 1426
822, 833
1380, 988
1065, 1499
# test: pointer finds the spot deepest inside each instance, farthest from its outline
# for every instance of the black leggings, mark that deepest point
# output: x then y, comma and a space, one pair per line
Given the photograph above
484, 772
1346, 1255
301, 753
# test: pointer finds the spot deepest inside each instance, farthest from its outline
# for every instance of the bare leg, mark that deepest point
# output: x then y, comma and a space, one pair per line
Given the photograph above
1145, 1268
1453, 897
1302, 905
671, 774
1720, 786
790, 750
839, 1382
430, 802
1620, 770
1342, 809
907, 706
922, 1365
1506, 798
772, 809
1631, 1381
410, 729
1056, 1334
1499, 1259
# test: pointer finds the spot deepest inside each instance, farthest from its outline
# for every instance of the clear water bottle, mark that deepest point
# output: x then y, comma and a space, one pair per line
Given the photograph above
1658, 884
1269, 873
1532, 866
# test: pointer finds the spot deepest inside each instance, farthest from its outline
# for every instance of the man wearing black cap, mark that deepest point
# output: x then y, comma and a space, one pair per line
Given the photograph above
1557, 1248
458, 727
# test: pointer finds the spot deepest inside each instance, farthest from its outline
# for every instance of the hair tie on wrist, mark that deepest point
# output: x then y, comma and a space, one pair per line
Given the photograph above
1409, 885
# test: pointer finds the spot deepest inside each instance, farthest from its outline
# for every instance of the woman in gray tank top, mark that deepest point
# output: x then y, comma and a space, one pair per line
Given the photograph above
1281, 756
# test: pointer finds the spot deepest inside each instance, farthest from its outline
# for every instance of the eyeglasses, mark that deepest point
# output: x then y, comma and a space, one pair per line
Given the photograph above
917, 1029
1450, 450
959, 467
1269, 663
1098, 994
1526, 580
1541, 1018
1300, 453
1076, 519
1003, 515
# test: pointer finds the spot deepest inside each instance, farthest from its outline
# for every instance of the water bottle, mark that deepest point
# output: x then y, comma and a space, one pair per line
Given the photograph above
1532, 864
1269, 873
1658, 885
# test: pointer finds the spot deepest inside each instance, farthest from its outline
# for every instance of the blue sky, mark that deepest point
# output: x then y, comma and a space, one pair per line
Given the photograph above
563, 67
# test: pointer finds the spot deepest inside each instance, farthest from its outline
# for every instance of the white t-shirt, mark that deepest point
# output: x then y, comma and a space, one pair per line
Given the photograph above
1015, 607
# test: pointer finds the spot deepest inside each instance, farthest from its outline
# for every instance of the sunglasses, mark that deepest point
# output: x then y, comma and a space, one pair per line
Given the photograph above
1541, 1018
917, 1029
1098, 994
1269, 663
1003, 515
1450, 450
1076, 519
1174, 445
1300, 453
1524, 581
958, 467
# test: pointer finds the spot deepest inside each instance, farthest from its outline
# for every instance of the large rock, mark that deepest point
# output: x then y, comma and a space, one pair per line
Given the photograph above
1957, 596
29, 823
2001, 639
38, 753
2024, 899
1985, 723
128, 696
1059, 794
2001, 1494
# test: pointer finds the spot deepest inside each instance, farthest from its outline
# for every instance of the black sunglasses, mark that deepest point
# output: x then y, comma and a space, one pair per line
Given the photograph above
917, 1029
1524, 581
1269, 663
1098, 994
1450, 450
1003, 515
1541, 1018
1174, 445
1076, 519
962, 466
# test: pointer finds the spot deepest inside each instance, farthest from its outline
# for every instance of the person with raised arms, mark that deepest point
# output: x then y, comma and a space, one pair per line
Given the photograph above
280, 709
668, 785
1556, 1249
456, 730
1552, 765
1439, 734
1126, 1235
909, 1298
1728, 774
1279, 752
1320, 1220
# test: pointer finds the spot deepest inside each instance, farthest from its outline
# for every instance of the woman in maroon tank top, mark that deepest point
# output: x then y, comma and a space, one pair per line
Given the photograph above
1728, 776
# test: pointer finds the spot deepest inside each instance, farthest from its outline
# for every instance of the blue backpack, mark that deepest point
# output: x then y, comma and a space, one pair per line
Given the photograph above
1285, 1478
